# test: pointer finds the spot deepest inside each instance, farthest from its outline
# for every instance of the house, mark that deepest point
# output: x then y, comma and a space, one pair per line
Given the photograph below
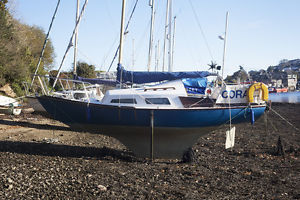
291, 81
277, 83
107, 75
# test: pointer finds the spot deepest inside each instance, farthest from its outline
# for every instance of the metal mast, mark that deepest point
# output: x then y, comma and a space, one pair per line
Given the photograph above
151, 3
170, 37
70, 43
76, 40
157, 56
224, 50
166, 26
173, 42
133, 53
121, 39
122, 32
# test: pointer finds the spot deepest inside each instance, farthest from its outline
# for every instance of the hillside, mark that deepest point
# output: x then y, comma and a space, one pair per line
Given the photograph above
277, 72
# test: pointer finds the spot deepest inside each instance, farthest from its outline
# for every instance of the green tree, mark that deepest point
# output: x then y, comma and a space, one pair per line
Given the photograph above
85, 70
20, 47
62, 83
3, 4
6, 43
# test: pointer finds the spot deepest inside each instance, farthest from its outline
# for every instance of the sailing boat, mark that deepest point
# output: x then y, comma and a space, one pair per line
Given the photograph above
162, 120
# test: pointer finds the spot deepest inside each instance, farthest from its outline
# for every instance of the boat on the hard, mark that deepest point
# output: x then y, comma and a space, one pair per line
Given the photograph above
166, 114
170, 115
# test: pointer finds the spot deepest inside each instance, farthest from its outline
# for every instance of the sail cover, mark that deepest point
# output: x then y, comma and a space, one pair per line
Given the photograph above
149, 77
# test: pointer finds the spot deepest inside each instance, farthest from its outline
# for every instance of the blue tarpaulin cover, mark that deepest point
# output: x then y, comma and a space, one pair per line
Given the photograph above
150, 77
195, 85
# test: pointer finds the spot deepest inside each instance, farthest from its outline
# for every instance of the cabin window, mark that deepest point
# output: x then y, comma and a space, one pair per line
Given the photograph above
129, 101
79, 95
161, 101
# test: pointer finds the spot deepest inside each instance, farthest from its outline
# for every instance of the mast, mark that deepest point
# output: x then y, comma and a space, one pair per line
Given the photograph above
70, 43
224, 50
132, 53
173, 42
157, 56
166, 26
122, 32
121, 39
151, 3
170, 37
76, 40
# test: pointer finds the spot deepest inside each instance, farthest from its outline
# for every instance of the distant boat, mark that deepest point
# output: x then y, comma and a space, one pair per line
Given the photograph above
277, 90
9, 106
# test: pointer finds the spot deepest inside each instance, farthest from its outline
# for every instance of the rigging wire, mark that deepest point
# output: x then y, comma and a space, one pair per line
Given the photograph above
141, 40
130, 17
87, 57
201, 30
105, 57
70, 43
44, 45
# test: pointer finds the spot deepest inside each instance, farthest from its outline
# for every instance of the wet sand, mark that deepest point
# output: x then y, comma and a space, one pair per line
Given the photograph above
42, 158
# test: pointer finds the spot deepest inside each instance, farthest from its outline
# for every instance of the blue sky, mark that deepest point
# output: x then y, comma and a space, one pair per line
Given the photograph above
260, 32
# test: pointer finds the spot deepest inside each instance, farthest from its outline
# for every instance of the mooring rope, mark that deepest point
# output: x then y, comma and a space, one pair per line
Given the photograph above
283, 118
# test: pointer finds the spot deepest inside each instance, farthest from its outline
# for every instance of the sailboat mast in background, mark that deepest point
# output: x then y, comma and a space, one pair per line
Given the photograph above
224, 50
151, 3
76, 39
173, 43
170, 37
121, 38
122, 32
157, 56
165, 38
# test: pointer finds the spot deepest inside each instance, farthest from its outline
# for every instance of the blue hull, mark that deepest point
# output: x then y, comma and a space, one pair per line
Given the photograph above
175, 130
70, 112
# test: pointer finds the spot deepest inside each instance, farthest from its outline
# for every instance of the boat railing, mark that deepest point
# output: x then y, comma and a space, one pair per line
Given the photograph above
66, 85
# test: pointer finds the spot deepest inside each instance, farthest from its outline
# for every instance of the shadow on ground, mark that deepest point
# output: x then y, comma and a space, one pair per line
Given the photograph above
49, 149
37, 126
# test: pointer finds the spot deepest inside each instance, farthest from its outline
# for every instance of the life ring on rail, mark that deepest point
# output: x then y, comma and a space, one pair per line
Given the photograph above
257, 86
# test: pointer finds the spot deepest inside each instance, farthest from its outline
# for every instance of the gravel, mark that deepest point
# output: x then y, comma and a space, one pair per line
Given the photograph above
41, 158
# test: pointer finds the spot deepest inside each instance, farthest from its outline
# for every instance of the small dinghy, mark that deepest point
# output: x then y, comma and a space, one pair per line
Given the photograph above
9, 106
